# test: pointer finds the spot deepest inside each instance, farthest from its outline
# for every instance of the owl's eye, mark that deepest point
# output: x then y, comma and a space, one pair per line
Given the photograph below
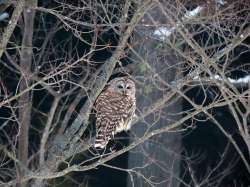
120, 86
129, 87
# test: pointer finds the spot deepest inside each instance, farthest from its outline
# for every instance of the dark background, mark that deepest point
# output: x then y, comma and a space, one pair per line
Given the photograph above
205, 138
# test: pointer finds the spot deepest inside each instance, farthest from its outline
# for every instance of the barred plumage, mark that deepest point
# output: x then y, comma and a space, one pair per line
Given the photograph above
115, 108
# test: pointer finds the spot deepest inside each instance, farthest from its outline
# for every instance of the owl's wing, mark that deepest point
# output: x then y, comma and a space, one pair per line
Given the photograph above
130, 117
105, 130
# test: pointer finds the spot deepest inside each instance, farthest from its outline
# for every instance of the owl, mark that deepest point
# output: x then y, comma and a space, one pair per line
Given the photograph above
115, 108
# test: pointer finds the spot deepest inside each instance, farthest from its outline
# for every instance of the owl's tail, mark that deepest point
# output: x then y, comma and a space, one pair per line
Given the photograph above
105, 131
100, 141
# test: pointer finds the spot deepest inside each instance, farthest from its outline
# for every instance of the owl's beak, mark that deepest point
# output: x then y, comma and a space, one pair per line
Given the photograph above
124, 92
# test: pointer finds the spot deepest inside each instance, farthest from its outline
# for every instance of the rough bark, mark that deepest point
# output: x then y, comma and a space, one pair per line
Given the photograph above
25, 101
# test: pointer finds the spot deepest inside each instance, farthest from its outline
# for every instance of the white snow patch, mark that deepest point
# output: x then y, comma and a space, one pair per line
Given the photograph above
196, 77
164, 32
245, 79
217, 77
242, 80
194, 12
4, 16
221, 2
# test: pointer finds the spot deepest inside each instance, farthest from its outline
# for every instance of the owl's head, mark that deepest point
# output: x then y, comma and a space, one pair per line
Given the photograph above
123, 86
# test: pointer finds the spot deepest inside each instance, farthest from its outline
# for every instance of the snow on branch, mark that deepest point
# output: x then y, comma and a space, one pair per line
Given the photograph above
164, 32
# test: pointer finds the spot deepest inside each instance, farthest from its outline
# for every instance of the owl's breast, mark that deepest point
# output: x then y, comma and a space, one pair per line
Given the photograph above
116, 101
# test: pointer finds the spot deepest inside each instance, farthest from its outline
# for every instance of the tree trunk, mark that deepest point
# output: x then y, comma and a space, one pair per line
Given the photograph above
159, 157
25, 101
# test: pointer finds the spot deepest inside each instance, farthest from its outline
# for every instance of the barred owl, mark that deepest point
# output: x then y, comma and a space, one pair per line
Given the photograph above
115, 108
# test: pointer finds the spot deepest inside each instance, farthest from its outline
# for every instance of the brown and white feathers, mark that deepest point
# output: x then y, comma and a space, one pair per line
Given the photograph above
115, 108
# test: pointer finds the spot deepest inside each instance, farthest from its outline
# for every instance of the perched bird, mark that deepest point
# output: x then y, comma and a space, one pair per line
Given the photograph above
115, 108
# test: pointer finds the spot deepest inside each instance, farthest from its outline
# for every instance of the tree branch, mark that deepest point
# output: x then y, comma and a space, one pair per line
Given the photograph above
12, 24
